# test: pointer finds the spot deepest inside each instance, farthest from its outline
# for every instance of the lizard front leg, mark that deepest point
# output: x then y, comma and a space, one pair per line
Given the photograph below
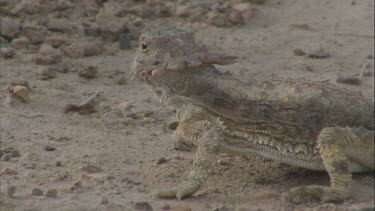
207, 138
332, 143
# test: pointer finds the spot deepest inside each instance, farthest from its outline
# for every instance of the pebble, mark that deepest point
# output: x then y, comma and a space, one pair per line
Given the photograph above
20, 42
92, 29
5, 157
121, 81
104, 200
86, 46
48, 55
181, 207
57, 40
58, 25
143, 206
353, 80
49, 148
165, 206
47, 72
89, 72
21, 92
223, 208
26, 6
36, 192
161, 160
35, 33
111, 31
91, 168
242, 7
58, 164
62, 67
10, 190
319, 53
14, 153
9, 28
124, 41
7, 52
172, 124
235, 17
183, 10
51, 193
217, 19
298, 52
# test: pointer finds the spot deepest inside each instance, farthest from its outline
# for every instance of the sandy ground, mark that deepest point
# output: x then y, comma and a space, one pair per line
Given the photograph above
115, 152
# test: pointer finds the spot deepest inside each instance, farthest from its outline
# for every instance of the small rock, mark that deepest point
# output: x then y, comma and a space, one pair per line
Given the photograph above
8, 171
48, 55
161, 160
353, 80
26, 6
223, 208
235, 17
143, 206
56, 41
111, 31
91, 168
124, 41
183, 10
121, 80
20, 42
21, 92
58, 25
62, 67
319, 53
222, 162
242, 7
51, 193
10, 190
58, 164
165, 206
172, 124
5, 157
181, 207
87, 46
63, 5
217, 19
88, 72
14, 153
104, 200
92, 29
36, 192
7, 52
47, 72
76, 185
49, 148
299, 52
36, 34
9, 28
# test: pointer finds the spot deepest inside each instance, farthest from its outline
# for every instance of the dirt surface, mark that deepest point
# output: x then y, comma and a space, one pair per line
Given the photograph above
114, 158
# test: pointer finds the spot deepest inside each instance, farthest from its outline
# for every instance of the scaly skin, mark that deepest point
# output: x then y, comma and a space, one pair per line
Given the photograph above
307, 124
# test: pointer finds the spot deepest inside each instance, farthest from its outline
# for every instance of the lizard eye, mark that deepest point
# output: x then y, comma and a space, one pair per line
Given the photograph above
144, 46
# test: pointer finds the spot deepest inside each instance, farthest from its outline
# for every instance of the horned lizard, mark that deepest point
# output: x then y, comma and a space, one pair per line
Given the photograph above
313, 125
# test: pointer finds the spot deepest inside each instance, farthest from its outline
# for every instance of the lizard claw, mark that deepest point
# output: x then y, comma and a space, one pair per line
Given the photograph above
315, 192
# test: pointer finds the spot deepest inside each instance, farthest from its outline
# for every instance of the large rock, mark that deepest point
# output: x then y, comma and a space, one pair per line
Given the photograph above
9, 28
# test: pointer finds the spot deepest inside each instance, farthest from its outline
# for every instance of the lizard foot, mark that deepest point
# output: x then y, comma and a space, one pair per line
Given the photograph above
315, 192
187, 189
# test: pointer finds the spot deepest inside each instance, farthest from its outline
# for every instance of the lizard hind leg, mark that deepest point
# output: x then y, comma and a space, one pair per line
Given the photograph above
332, 143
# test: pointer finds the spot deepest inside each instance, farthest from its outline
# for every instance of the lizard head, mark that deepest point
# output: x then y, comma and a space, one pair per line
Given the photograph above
170, 50
158, 51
